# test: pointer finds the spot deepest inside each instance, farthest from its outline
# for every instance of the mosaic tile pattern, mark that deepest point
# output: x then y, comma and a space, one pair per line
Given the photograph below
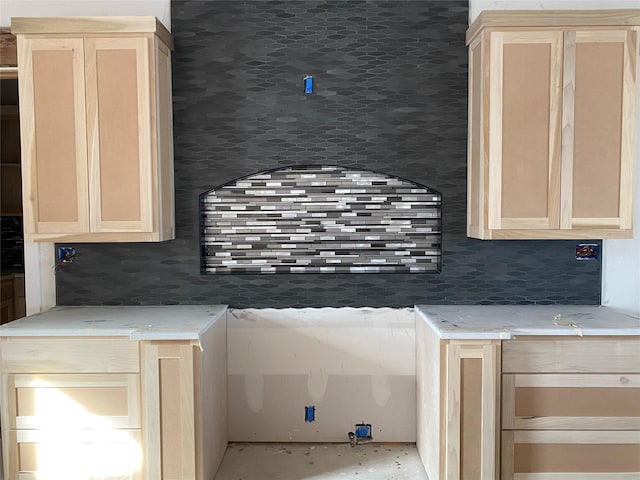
390, 96
321, 219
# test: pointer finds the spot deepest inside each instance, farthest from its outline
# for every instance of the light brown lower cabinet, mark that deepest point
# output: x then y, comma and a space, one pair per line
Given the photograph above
458, 385
113, 408
531, 408
571, 409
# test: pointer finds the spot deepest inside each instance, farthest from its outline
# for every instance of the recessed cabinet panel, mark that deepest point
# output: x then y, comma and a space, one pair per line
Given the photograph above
52, 119
106, 454
576, 458
598, 125
525, 130
119, 118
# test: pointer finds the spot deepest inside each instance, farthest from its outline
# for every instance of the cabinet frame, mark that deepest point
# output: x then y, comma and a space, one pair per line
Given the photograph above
153, 219
564, 31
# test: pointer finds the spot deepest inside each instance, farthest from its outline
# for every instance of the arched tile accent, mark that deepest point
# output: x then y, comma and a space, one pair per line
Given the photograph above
321, 219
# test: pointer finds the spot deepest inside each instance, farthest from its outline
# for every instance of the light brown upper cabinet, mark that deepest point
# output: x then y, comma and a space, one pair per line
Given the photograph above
96, 129
552, 124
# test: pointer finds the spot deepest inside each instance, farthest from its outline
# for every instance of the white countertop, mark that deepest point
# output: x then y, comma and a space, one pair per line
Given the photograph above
508, 321
162, 322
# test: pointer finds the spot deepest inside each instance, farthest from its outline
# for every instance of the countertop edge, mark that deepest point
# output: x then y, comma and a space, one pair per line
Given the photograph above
508, 332
132, 333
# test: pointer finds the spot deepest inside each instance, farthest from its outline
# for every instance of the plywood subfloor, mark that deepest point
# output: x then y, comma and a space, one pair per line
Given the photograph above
308, 461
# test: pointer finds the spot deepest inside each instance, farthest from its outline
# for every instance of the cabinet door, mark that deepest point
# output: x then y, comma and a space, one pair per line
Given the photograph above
52, 121
119, 129
472, 420
599, 129
169, 410
524, 130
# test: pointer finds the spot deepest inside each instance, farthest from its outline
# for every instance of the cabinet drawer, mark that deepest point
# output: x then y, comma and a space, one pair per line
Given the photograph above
561, 455
572, 355
69, 354
104, 454
571, 401
73, 401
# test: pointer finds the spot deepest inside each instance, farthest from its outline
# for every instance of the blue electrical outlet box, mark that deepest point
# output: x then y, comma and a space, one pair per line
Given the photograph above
363, 431
309, 414
308, 84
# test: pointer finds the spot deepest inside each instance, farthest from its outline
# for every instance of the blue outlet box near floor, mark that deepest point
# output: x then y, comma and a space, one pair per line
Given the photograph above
363, 431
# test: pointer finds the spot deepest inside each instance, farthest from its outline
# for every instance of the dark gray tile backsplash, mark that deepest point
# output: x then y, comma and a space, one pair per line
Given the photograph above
390, 95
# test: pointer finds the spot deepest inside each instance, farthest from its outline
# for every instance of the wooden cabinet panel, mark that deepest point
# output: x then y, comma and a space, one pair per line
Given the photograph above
472, 408
41, 401
458, 406
169, 380
560, 455
53, 135
526, 137
98, 148
566, 401
552, 128
570, 355
72, 355
105, 454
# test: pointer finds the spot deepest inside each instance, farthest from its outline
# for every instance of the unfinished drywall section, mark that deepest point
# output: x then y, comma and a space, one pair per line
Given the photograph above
354, 365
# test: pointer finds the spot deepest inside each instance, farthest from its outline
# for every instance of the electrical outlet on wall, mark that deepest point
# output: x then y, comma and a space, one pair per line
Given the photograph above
66, 255
587, 251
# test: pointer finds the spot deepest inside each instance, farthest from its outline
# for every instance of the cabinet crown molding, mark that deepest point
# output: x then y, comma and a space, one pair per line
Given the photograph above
95, 25
553, 18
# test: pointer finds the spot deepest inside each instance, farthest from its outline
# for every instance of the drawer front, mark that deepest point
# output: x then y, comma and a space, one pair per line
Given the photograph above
73, 401
69, 355
571, 401
572, 355
104, 454
562, 455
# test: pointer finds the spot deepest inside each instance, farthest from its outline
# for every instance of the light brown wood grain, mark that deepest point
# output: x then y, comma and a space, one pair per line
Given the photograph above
430, 392
572, 355
93, 25
119, 126
557, 171
553, 19
68, 354
121, 185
